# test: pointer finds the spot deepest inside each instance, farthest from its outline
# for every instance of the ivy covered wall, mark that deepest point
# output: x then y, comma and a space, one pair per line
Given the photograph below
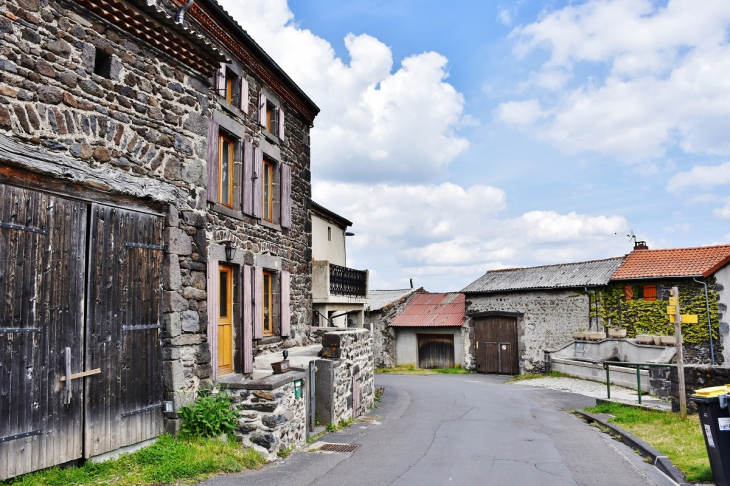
638, 316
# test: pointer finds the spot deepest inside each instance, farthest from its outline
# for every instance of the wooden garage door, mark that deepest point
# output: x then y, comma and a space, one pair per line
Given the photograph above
496, 345
435, 351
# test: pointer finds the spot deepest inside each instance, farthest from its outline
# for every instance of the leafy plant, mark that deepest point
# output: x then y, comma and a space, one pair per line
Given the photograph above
211, 415
331, 427
285, 452
379, 392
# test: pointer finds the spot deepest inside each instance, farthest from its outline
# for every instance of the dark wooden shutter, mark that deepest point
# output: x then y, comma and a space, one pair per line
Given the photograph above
262, 110
123, 325
286, 201
281, 124
285, 303
258, 303
244, 94
212, 160
247, 320
258, 183
212, 307
247, 182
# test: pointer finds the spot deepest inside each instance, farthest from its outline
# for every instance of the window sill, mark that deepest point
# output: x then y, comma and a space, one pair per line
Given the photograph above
271, 137
231, 108
269, 340
270, 225
225, 210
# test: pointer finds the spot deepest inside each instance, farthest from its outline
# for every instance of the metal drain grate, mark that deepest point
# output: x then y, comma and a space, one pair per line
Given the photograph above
339, 447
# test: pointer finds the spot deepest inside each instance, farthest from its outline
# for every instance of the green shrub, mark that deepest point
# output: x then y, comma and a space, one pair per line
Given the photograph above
211, 415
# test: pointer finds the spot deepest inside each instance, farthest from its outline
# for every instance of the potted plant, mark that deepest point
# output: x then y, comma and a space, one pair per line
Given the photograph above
644, 338
596, 335
669, 340
580, 333
657, 340
617, 332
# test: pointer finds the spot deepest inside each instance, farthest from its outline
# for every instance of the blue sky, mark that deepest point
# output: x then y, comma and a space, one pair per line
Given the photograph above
465, 136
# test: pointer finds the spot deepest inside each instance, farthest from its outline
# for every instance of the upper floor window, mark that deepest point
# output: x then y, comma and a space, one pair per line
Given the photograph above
648, 292
225, 171
232, 87
272, 119
268, 191
628, 292
271, 116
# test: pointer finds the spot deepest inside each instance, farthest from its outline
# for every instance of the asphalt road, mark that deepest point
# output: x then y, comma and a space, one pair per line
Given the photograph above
464, 430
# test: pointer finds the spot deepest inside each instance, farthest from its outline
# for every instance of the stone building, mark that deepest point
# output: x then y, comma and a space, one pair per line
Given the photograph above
516, 314
382, 307
154, 227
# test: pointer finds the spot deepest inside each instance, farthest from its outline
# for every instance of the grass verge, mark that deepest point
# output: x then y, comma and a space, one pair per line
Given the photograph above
533, 376
410, 369
169, 460
681, 440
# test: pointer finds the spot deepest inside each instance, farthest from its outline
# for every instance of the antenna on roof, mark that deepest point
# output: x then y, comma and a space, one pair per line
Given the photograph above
631, 236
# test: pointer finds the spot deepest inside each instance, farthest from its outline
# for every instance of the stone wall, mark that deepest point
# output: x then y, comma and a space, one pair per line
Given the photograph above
354, 349
383, 335
549, 319
695, 377
271, 418
722, 286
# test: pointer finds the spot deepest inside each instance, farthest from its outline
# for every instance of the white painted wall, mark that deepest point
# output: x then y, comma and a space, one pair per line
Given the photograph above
406, 343
723, 304
331, 250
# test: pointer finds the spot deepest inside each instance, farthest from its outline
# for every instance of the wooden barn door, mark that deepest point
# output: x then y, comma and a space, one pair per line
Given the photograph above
124, 320
496, 345
435, 351
42, 265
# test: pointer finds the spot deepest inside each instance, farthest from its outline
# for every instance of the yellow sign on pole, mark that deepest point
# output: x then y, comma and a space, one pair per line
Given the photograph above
673, 301
671, 309
686, 318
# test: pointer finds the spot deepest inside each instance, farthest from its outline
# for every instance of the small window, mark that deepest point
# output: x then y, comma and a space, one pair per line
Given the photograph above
232, 88
268, 305
329, 233
268, 191
628, 292
649, 292
103, 64
225, 171
272, 119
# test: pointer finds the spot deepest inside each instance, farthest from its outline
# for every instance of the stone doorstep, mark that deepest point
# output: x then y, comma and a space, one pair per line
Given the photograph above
659, 460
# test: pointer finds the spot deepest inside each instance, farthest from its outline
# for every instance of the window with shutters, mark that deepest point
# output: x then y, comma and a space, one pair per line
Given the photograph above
226, 148
232, 88
268, 304
268, 191
648, 292
272, 119
225, 319
628, 292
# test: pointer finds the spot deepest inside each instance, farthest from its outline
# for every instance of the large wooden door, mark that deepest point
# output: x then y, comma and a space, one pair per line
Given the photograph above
124, 320
42, 265
435, 351
496, 345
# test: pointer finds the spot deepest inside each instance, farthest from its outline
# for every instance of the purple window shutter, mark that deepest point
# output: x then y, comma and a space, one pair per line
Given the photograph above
285, 196
285, 302
220, 80
258, 183
281, 124
213, 291
247, 183
262, 110
247, 321
244, 95
212, 160
258, 303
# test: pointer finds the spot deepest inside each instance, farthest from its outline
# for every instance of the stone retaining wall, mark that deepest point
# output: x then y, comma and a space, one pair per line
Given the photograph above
696, 377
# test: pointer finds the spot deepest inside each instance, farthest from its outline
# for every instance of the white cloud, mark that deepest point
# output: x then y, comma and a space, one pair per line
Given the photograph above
653, 76
520, 112
701, 175
505, 16
375, 123
448, 235
723, 213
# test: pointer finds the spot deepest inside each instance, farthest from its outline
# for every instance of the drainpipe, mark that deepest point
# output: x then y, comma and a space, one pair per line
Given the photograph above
589, 307
709, 324
181, 12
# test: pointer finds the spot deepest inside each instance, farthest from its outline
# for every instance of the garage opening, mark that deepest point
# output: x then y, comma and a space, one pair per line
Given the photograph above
435, 351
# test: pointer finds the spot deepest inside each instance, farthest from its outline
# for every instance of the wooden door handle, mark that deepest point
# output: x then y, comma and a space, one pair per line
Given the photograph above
82, 374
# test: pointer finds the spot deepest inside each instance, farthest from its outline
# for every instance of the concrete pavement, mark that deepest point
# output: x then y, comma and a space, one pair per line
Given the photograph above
464, 430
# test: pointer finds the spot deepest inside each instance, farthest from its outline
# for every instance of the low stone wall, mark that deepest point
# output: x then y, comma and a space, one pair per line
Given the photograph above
354, 347
271, 418
619, 375
696, 377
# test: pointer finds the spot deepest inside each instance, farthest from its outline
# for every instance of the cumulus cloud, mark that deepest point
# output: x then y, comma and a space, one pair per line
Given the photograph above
520, 112
701, 175
723, 213
448, 235
653, 76
376, 123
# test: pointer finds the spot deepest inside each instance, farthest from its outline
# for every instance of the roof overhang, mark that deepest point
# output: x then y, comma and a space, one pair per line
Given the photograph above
495, 314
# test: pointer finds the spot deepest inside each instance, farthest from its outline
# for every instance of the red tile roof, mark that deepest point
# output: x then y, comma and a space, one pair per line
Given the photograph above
676, 262
433, 310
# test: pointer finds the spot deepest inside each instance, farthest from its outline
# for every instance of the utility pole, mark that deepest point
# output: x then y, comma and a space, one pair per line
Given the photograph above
680, 354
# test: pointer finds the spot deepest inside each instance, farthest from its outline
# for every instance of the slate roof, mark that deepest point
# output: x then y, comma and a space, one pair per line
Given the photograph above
377, 299
433, 310
676, 262
564, 275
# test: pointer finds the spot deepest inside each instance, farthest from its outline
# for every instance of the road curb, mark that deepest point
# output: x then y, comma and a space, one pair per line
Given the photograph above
659, 460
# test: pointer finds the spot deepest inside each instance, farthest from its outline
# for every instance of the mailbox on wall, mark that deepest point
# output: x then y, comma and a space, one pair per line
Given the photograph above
298, 389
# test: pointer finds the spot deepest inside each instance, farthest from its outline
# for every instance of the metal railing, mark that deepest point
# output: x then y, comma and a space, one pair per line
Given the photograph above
608, 364
348, 281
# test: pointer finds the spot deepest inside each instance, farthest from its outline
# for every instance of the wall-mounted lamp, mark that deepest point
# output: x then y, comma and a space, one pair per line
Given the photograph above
230, 250
349, 233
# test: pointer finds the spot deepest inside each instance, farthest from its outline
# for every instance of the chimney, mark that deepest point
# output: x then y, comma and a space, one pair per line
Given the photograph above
640, 245
411, 283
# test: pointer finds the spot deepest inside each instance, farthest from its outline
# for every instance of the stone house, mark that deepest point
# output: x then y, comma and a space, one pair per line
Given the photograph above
154, 227
339, 293
382, 307
516, 314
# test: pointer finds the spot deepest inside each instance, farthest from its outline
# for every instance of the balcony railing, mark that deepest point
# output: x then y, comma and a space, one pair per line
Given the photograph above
347, 281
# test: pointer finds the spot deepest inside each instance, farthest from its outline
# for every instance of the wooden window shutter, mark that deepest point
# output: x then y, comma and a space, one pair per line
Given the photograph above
258, 302
258, 182
285, 196
212, 160
649, 292
244, 95
281, 124
262, 110
628, 292
246, 178
247, 320
285, 303
220, 80
213, 291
